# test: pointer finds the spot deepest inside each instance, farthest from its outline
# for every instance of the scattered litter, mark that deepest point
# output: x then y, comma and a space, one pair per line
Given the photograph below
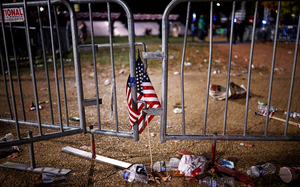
192, 165
67, 60
169, 127
246, 59
121, 71
197, 51
33, 107
177, 110
49, 60
75, 118
44, 89
218, 92
153, 134
43, 102
261, 73
187, 64
49, 177
7, 113
244, 71
171, 56
161, 166
227, 163
293, 114
86, 148
242, 144
278, 69
290, 52
264, 106
249, 145
123, 49
235, 56
136, 174
217, 61
252, 66
9, 152
40, 65
183, 152
178, 106
233, 64
217, 181
205, 60
235, 74
288, 174
261, 170
176, 73
216, 72
107, 82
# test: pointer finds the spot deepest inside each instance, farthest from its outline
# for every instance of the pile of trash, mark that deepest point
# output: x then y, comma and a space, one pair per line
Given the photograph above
219, 92
198, 168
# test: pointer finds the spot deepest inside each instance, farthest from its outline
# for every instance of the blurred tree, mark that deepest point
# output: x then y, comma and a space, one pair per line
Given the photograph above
287, 7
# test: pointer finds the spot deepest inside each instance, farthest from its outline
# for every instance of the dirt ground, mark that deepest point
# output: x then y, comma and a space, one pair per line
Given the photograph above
89, 173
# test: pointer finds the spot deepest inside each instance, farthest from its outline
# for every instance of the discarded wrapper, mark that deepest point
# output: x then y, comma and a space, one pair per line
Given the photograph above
75, 118
218, 92
227, 163
192, 165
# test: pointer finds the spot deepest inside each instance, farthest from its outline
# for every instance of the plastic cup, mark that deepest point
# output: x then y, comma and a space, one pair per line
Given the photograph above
288, 174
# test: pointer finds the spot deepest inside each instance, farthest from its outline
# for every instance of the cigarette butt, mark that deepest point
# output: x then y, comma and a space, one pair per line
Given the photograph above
249, 145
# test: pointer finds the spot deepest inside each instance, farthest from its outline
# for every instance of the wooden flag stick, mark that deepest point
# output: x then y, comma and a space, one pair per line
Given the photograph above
279, 119
149, 142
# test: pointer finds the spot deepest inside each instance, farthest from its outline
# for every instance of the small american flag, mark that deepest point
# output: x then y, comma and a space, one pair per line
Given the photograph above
145, 92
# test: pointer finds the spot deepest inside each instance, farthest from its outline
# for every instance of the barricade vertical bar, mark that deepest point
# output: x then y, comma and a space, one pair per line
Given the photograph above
55, 68
92, 138
164, 85
17, 70
61, 64
249, 68
131, 41
5, 83
32, 68
112, 67
209, 65
95, 65
31, 151
229, 67
272, 67
46, 65
182, 66
9, 74
77, 66
293, 77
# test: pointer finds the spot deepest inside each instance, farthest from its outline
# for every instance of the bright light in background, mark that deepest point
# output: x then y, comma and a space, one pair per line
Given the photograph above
293, 15
264, 22
234, 20
41, 9
218, 4
194, 16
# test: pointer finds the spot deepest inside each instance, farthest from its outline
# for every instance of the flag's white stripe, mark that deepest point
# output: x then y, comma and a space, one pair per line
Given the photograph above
151, 99
149, 91
147, 84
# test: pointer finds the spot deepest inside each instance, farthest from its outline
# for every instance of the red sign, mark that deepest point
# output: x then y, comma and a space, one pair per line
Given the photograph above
13, 14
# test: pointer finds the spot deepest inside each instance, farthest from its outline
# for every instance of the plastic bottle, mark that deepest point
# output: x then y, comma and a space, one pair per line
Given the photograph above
166, 165
265, 107
294, 115
8, 137
131, 176
262, 170
218, 182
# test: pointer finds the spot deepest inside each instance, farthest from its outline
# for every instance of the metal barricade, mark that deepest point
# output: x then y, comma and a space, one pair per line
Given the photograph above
53, 118
224, 135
